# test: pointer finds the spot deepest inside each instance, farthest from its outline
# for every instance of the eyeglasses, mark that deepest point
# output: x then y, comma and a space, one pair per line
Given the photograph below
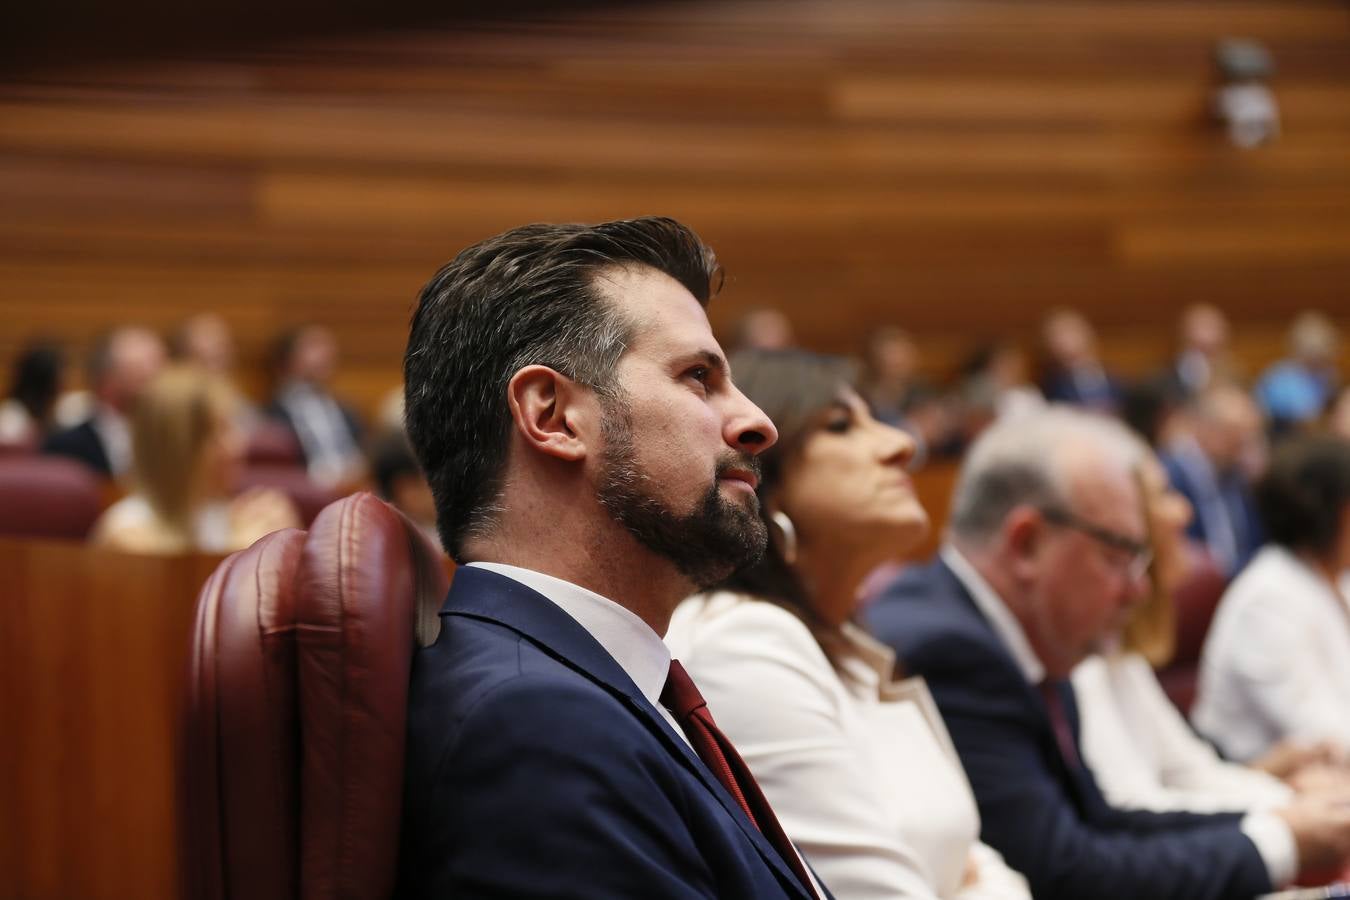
1139, 555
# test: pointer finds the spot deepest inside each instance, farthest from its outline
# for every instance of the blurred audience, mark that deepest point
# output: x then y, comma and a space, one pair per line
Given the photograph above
1276, 662
1047, 553
1296, 391
857, 765
37, 378
1139, 748
1074, 373
121, 364
1212, 459
187, 451
764, 328
901, 397
401, 482
995, 384
205, 341
1152, 408
1203, 356
304, 362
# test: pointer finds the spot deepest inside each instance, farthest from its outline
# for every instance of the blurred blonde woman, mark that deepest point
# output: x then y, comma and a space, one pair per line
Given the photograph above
856, 763
186, 455
1140, 749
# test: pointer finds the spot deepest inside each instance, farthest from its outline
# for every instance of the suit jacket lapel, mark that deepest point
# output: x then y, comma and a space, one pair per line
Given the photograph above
478, 593
1073, 776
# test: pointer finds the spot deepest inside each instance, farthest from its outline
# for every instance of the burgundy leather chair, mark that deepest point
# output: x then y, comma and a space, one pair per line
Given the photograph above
48, 497
1196, 600
292, 743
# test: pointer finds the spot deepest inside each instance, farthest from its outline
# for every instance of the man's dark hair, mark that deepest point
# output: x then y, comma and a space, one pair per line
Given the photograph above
1304, 492
525, 297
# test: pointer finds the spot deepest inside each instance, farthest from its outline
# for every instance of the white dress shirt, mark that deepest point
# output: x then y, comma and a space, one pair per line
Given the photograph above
1272, 837
859, 768
330, 449
115, 434
1145, 756
1276, 662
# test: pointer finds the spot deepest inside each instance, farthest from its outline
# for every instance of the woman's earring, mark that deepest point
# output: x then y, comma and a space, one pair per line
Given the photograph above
788, 544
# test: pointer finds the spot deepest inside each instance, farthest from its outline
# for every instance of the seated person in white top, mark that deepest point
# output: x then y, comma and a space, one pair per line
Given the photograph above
187, 452
1140, 749
858, 766
1276, 662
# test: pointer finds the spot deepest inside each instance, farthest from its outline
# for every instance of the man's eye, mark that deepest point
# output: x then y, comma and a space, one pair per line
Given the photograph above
701, 374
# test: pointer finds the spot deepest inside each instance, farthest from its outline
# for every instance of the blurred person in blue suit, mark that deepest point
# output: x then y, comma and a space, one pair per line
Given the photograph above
1211, 460
1296, 390
1074, 372
1046, 557
592, 464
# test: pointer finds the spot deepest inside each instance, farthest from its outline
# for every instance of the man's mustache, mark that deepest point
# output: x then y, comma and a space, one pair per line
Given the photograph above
743, 462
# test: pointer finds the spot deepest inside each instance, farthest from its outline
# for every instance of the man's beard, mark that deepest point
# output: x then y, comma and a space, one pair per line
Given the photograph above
707, 545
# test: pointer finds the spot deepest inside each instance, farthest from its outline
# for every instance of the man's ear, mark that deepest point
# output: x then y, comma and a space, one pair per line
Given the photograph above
550, 411
1022, 533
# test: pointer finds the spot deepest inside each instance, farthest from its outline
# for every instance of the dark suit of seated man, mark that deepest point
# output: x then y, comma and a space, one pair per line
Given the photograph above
592, 464
121, 364
1046, 555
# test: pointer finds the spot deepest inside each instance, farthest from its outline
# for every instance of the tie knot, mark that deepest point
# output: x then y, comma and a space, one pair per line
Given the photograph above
679, 695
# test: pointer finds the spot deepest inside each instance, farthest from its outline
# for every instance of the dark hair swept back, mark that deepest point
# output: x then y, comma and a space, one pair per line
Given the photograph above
525, 297
1304, 491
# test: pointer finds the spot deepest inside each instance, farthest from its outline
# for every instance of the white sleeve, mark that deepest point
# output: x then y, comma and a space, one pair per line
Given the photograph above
768, 686
1286, 684
1110, 747
1192, 775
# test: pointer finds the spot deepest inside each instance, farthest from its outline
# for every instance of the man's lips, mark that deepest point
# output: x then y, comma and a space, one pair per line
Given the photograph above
741, 476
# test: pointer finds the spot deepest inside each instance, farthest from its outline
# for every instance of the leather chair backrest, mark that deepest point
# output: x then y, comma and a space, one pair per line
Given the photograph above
48, 497
294, 729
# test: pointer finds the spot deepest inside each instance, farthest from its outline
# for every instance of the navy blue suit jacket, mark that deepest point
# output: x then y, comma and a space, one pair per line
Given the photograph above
535, 767
80, 442
1045, 815
1248, 532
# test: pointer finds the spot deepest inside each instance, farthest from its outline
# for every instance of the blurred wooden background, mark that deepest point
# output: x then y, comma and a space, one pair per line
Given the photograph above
955, 167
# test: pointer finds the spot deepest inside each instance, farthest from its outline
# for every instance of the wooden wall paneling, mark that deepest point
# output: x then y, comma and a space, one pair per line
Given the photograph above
958, 169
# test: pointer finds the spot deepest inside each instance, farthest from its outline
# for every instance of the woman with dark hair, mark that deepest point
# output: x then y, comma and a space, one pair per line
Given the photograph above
857, 765
26, 412
1276, 662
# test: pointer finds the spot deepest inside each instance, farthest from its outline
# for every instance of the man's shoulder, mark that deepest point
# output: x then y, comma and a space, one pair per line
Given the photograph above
927, 606
81, 435
476, 660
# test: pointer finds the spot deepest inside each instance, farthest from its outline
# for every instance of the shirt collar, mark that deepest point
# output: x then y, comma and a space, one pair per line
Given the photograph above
637, 649
115, 433
1004, 623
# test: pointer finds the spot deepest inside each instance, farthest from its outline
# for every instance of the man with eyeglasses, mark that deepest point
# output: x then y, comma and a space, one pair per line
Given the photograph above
1046, 553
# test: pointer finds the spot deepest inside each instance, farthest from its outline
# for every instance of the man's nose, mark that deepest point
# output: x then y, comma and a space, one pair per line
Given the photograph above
747, 428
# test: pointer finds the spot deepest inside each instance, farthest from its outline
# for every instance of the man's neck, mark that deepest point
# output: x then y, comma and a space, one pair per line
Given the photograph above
612, 565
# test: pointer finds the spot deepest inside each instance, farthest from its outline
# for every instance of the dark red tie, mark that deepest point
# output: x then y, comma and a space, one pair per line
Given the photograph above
682, 698
1059, 721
